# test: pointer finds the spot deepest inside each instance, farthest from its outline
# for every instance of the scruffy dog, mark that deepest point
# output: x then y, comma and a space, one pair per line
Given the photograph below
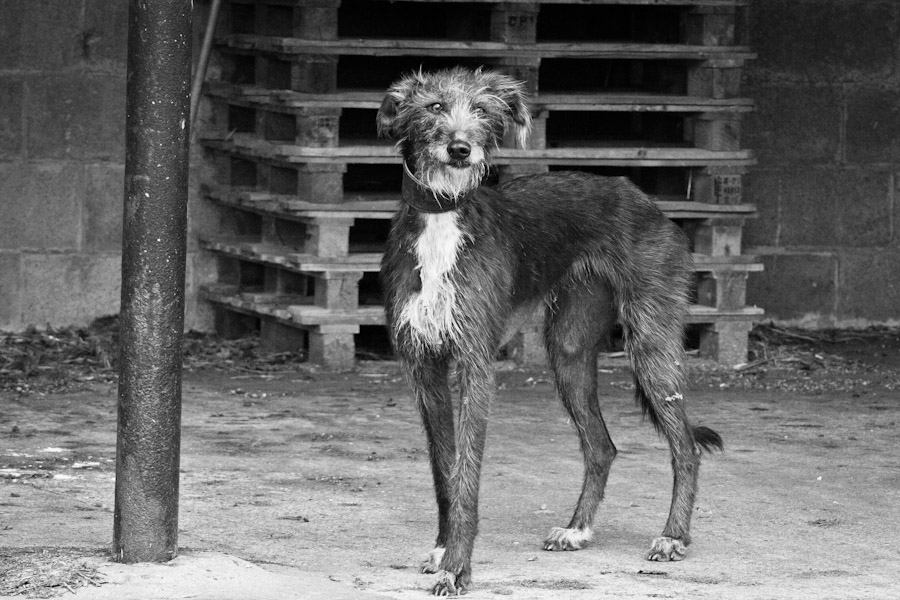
464, 265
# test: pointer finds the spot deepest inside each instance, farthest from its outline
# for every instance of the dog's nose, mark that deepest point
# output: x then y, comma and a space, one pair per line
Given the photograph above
459, 150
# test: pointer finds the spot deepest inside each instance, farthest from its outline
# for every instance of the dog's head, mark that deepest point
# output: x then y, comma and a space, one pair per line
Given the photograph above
448, 122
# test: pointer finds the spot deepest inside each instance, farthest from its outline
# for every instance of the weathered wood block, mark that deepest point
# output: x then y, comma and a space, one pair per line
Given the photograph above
725, 342
328, 237
314, 74
720, 132
715, 79
338, 291
321, 183
719, 238
524, 69
317, 128
709, 26
333, 345
722, 289
514, 23
527, 345
716, 186
316, 20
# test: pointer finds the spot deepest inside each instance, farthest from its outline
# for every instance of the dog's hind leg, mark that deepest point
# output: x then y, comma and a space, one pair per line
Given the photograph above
575, 327
653, 328
429, 380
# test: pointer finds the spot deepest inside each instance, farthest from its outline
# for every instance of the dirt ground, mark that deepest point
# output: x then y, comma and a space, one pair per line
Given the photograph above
318, 483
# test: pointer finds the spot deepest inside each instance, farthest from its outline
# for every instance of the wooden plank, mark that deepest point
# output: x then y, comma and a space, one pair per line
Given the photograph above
244, 306
296, 315
302, 315
315, 315
254, 97
706, 314
455, 48
744, 263
291, 260
249, 146
383, 206
371, 261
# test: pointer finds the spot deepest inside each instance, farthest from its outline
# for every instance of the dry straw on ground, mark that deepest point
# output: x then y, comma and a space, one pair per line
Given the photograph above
46, 572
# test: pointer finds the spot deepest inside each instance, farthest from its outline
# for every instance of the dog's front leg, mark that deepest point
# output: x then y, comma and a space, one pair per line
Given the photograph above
476, 390
428, 376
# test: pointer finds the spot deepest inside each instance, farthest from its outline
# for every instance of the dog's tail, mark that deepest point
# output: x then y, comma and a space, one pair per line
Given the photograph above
705, 439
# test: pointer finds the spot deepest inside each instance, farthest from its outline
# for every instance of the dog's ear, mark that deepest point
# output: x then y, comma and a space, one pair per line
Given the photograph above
512, 92
384, 120
399, 92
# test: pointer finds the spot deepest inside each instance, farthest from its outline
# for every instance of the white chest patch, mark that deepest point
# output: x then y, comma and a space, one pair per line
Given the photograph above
430, 312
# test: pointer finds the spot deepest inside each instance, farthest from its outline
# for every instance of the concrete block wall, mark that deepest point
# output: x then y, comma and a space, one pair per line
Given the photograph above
827, 136
62, 111
62, 157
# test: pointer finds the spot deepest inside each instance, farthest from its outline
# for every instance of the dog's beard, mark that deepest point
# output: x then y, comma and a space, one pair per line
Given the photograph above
447, 181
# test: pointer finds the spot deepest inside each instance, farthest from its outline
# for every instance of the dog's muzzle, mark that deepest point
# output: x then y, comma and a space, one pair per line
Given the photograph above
418, 196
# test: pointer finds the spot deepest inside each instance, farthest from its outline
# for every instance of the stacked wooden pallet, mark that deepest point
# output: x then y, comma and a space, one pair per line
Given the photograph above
644, 88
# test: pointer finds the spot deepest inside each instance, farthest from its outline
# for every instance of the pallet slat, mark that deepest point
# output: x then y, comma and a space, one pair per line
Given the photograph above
386, 154
293, 261
371, 261
371, 99
380, 208
454, 48
309, 316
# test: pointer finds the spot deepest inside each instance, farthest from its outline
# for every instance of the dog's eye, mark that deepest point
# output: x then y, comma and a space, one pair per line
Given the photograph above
436, 107
479, 111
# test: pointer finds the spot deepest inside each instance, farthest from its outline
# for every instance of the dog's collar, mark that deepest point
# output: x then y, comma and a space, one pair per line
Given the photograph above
419, 197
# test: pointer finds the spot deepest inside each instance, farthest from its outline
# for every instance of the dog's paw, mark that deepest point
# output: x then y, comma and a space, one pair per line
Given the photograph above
449, 584
561, 538
432, 563
665, 549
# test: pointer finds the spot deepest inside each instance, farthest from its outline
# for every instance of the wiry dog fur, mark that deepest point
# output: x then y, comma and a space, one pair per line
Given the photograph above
594, 251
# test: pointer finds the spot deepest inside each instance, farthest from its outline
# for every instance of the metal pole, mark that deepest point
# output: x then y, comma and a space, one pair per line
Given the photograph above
145, 525
203, 61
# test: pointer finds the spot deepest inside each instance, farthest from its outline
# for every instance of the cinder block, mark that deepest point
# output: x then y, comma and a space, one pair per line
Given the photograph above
104, 202
77, 116
795, 286
11, 98
41, 206
10, 281
105, 33
48, 34
869, 286
13, 12
69, 289
873, 126
794, 124
826, 39
830, 207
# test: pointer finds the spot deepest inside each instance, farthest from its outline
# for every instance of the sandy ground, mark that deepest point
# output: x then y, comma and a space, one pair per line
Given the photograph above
316, 485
